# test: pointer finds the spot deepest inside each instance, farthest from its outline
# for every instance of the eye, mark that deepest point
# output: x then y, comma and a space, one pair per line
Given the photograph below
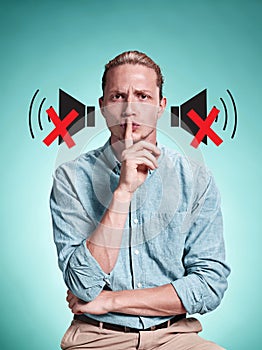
117, 97
143, 96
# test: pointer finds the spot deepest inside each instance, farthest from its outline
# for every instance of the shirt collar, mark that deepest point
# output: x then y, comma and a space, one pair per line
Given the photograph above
111, 158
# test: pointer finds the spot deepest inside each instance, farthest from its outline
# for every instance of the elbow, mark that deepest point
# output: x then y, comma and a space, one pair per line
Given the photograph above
83, 275
200, 295
213, 296
209, 305
82, 287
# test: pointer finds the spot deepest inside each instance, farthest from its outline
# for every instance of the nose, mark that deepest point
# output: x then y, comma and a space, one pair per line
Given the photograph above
128, 109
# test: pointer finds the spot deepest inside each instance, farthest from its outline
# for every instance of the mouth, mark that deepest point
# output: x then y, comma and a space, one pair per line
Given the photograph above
134, 126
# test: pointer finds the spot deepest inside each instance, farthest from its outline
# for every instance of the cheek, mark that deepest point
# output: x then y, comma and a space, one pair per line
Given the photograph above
112, 113
148, 115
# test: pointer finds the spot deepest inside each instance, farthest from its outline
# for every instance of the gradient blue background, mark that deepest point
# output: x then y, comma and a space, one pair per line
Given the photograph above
64, 44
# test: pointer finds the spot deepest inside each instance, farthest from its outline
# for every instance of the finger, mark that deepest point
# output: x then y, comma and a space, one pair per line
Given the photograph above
76, 309
147, 154
147, 145
70, 297
69, 293
128, 134
146, 162
75, 312
72, 303
75, 303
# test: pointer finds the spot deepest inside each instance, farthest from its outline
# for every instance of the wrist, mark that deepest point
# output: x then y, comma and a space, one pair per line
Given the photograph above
122, 195
114, 302
121, 202
110, 302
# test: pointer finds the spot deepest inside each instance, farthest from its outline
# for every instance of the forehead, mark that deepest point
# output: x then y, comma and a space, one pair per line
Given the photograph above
135, 75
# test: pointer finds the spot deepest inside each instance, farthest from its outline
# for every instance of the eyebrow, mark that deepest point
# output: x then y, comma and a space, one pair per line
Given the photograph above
136, 91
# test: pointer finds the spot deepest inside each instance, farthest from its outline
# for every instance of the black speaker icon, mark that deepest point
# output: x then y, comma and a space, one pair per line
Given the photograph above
179, 117
86, 114
67, 103
198, 103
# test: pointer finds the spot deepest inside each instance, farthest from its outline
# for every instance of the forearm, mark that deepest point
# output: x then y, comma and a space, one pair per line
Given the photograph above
105, 241
136, 159
158, 301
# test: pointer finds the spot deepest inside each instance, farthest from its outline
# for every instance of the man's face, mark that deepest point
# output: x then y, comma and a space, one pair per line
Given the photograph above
131, 93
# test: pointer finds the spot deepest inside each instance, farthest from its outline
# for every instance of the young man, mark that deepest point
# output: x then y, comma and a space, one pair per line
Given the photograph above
138, 227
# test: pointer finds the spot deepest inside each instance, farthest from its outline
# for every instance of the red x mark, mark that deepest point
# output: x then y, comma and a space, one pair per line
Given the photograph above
204, 127
60, 127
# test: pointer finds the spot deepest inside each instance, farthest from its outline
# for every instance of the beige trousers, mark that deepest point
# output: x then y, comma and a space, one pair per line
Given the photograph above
182, 335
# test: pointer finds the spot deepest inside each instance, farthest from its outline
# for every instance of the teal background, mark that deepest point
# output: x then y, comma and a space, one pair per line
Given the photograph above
65, 44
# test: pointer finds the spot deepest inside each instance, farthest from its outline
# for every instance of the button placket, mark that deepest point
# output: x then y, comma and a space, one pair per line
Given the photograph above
135, 261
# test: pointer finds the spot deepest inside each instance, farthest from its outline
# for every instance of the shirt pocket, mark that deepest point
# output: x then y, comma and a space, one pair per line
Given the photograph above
164, 241
166, 226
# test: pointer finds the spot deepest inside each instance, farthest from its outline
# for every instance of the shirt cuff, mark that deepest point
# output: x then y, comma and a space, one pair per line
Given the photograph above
84, 276
190, 293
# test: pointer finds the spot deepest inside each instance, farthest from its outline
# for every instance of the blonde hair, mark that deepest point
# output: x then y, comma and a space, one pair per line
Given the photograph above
135, 57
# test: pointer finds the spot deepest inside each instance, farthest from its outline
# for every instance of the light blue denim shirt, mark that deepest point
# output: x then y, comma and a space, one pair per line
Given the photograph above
173, 233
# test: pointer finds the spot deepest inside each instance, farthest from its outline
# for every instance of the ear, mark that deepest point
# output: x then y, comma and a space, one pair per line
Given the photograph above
101, 105
162, 106
101, 102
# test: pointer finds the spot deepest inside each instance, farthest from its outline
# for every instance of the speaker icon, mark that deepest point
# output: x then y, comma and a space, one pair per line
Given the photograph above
182, 116
86, 114
67, 103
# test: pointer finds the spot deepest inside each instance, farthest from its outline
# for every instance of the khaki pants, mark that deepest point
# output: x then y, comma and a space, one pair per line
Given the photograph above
182, 335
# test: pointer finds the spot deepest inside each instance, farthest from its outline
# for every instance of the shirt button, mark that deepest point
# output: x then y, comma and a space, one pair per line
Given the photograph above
135, 221
139, 285
136, 252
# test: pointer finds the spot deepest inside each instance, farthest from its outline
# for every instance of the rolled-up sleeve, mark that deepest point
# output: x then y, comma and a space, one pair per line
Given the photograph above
71, 227
202, 287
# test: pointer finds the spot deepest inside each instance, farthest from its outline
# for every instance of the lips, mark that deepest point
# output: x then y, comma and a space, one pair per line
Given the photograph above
134, 126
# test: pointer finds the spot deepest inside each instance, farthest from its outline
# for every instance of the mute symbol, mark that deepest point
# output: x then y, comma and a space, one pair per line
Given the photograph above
192, 117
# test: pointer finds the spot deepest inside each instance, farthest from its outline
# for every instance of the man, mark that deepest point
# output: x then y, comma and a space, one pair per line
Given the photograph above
138, 227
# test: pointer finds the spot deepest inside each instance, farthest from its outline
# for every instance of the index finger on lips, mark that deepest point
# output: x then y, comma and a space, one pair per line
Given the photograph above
128, 134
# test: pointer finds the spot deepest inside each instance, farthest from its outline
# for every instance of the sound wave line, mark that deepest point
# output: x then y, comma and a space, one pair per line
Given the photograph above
30, 113
225, 108
49, 119
216, 117
39, 113
235, 110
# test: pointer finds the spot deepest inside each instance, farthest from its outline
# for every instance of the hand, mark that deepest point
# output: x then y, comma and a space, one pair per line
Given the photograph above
136, 160
98, 306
